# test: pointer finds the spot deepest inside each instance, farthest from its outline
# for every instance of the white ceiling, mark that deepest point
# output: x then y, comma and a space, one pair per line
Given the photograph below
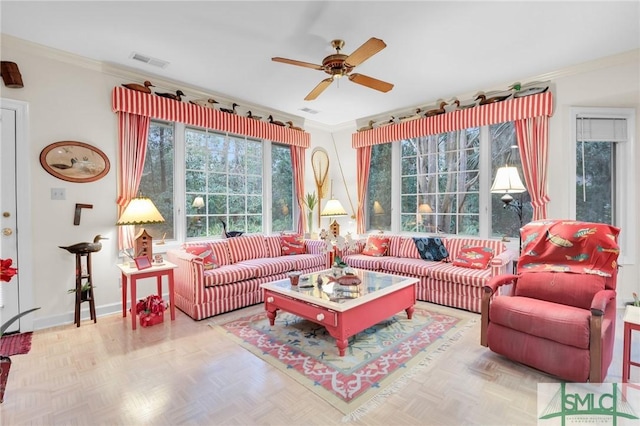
435, 49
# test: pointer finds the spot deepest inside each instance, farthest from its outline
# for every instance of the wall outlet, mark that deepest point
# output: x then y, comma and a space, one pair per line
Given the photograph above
58, 194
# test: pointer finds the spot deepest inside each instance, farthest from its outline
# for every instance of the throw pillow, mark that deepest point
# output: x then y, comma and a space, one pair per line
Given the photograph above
431, 248
292, 244
204, 252
377, 246
474, 257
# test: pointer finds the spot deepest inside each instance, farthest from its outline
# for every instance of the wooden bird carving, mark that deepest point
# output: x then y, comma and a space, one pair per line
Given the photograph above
367, 127
81, 248
139, 87
277, 123
436, 111
232, 110
255, 117
176, 97
485, 100
207, 103
291, 126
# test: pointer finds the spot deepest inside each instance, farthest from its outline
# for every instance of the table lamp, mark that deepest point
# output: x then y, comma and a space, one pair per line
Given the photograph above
141, 211
331, 209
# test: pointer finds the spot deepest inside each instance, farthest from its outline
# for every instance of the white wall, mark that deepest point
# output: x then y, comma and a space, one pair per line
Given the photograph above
70, 99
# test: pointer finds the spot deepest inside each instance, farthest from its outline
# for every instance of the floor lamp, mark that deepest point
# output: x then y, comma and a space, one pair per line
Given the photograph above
508, 182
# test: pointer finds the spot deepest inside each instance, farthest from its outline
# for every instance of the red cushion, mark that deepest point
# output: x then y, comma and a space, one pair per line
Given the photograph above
474, 257
292, 244
561, 287
205, 252
377, 245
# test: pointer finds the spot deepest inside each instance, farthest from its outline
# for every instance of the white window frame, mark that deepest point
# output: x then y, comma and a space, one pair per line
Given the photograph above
625, 211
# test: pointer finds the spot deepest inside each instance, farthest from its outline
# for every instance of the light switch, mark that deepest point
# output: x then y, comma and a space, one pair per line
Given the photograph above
58, 194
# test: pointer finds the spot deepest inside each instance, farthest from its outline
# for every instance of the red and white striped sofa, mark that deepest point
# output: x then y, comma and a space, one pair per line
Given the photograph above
440, 282
244, 263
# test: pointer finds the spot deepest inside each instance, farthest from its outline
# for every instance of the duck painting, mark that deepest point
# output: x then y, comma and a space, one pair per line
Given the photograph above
255, 117
230, 234
232, 110
277, 123
81, 248
207, 103
176, 97
291, 126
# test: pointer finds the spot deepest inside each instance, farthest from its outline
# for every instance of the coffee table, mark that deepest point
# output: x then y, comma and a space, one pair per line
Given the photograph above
343, 310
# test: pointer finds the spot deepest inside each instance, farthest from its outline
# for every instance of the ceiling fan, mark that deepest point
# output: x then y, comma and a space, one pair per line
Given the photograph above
339, 65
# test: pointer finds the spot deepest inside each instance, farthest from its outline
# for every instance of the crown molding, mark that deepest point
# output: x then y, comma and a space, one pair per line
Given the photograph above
604, 62
131, 74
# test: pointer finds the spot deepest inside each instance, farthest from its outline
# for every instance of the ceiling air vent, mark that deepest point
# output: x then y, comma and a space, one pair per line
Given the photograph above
149, 60
309, 110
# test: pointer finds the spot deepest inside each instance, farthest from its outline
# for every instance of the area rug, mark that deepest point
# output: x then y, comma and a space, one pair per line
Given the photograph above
15, 344
377, 363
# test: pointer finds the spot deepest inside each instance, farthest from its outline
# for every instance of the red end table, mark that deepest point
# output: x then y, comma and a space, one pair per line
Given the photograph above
132, 274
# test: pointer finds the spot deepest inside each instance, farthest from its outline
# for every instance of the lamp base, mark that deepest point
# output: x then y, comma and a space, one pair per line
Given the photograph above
334, 228
143, 245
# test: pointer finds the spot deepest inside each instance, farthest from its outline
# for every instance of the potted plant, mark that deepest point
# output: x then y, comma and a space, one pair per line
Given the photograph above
311, 200
84, 291
6, 274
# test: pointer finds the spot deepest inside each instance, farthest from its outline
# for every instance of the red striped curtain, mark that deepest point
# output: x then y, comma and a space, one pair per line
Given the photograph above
133, 131
362, 170
154, 106
533, 141
297, 163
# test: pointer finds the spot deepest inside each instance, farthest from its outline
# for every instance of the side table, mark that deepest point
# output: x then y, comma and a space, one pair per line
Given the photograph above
129, 277
631, 322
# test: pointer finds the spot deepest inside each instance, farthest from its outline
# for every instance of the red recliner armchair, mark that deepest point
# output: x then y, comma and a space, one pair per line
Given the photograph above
558, 313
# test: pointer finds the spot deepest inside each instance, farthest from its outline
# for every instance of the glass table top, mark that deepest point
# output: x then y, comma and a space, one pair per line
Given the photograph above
332, 294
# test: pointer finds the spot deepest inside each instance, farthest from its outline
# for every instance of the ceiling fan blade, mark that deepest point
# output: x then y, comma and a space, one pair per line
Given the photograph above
298, 63
364, 52
319, 89
371, 82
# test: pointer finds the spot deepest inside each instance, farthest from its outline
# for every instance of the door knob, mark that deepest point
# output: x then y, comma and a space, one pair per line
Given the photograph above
7, 231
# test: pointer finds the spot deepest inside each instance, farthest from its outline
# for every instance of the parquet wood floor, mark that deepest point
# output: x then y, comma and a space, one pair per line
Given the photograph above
182, 372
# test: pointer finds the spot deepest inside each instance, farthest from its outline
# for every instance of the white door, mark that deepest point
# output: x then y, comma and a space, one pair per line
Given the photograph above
8, 221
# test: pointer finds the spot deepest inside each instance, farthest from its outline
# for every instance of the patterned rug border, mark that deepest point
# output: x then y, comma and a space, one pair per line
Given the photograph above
356, 411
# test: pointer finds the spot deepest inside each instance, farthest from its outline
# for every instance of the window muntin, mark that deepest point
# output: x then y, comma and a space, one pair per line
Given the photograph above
504, 151
229, 172
157, 178
439, 183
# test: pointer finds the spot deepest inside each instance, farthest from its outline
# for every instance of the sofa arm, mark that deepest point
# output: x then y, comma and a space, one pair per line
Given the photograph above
500, 263
315, 246
600, 301
188, 276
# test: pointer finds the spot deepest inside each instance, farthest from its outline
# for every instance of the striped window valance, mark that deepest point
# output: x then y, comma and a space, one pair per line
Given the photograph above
483, 115
134, 102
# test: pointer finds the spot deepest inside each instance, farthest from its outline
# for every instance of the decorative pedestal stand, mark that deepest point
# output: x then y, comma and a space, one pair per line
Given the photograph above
87, 295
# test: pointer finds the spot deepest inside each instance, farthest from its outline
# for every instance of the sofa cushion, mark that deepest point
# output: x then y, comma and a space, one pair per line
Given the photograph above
408, 249
456, 274
362, 261
561, 287
270, 265
474, 257
401, 265
395, 245
204, 252
377, 245
560, 323
228, 274
220, 250
292, 244
308, 261
274, 249
454, 245
247, 247
431, 248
